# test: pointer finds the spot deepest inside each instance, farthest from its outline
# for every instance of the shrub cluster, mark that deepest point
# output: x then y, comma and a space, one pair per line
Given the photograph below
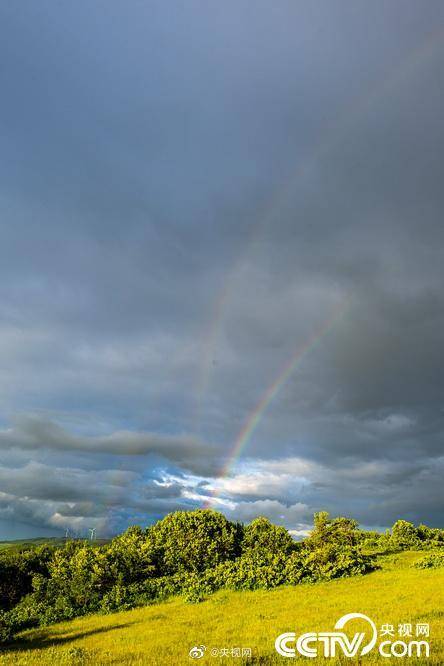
432, 561
404, 536
192, 553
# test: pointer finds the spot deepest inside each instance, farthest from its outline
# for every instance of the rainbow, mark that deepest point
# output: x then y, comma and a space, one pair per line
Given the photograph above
333, 136
255, 416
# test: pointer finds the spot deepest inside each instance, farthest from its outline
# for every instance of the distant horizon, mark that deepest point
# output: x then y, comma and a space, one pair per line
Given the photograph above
61, 535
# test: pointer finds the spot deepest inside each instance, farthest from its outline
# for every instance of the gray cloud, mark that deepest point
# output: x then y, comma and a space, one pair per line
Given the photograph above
296, 516
187, 196
36, 433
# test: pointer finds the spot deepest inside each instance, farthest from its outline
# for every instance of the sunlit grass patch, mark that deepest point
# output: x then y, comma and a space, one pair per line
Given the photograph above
164, 633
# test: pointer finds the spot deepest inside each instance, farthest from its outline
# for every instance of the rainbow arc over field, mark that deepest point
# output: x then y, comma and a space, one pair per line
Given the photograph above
255, 416
335, 134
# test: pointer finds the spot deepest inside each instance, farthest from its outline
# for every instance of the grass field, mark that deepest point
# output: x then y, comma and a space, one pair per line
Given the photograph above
23, 544
163, 634
26, 544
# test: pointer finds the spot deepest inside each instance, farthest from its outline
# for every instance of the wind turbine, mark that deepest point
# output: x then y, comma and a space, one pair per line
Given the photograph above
67, 533
92, 532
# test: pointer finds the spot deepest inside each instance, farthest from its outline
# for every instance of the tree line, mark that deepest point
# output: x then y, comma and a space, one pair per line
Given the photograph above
191, 553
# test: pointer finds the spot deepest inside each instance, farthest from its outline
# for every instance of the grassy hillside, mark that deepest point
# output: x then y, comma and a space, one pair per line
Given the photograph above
163, 633
19, 545
23, 544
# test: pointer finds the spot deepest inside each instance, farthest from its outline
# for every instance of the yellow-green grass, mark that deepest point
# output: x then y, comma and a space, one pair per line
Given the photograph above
164, 633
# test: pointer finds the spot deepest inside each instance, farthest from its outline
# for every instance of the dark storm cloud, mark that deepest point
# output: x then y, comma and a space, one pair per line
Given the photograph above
186, 452
188, 194
37, 481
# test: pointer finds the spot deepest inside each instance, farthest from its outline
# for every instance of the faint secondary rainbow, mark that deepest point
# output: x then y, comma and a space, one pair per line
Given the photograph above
334, 135
255, 416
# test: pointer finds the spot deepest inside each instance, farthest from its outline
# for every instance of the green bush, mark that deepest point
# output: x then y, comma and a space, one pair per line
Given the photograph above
253, 571
7, 629
262, 535
430, 537
405, 535
432, 561
131, 557
332, 561
120, 597
194, 540
340, 531
16, 572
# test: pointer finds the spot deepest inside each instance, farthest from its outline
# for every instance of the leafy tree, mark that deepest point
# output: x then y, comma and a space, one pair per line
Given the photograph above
76, 576
194, 540
132, 556
430, 536
262, 535
405, 535
17, 570
333, 549
340, 531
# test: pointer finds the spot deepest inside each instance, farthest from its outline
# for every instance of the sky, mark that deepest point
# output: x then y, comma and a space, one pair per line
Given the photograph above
221, 272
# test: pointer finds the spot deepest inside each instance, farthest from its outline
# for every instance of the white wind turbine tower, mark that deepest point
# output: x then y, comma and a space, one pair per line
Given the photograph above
92, 532
67, 533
